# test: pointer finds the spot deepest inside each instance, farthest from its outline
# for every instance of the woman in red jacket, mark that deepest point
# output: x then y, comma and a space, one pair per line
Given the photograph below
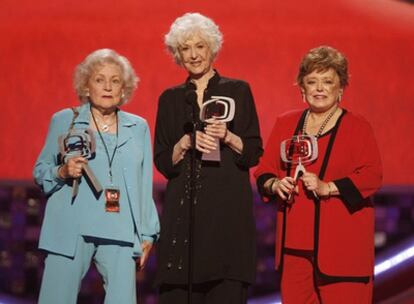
325, 219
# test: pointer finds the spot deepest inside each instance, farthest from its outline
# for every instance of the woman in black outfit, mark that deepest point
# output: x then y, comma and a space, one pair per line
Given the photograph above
224, 228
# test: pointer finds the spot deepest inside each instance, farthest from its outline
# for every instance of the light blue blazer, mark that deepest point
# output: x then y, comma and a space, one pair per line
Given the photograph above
63, 218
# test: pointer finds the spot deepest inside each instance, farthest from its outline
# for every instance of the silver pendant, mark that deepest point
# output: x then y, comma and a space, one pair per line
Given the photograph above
105, 128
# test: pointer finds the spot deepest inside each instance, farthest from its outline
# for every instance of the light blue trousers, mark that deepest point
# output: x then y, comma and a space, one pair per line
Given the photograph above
62, 275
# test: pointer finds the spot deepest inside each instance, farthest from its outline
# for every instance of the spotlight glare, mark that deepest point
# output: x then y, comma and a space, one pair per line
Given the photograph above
394, 260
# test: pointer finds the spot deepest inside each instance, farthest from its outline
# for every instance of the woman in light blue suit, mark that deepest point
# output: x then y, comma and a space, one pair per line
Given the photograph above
96, 170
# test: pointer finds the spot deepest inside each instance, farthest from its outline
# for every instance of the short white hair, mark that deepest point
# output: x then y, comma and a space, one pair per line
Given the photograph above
85, 69
188, 25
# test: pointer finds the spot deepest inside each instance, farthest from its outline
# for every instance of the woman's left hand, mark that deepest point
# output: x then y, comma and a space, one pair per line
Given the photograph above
311, 182
216, 128
146, 249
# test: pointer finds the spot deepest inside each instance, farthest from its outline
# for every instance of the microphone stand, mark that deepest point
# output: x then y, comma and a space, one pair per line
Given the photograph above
192, 99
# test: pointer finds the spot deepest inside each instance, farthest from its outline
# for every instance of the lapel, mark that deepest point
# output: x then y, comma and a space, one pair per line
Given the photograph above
82, 121
124, 132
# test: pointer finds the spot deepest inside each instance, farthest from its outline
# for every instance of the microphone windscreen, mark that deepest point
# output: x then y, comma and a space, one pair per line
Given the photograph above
188, 127
191, 97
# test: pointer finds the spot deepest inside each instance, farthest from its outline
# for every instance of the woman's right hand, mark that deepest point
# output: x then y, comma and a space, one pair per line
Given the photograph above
72, 168
204, 143
284, 187
180, 148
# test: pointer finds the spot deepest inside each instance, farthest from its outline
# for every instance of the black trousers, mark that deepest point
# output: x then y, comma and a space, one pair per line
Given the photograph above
212, 292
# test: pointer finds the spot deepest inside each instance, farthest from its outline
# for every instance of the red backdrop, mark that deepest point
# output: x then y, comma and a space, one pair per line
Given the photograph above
42, 42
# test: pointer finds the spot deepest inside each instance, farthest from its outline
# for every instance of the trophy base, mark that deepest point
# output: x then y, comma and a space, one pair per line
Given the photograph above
213, 155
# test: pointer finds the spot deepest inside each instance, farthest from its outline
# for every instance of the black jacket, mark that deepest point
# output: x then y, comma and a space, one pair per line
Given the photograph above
224, 227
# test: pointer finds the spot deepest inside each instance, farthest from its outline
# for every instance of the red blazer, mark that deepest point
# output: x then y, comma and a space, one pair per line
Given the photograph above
342, 236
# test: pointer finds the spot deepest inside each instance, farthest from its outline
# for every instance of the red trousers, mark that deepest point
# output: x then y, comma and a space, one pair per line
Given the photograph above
299, 287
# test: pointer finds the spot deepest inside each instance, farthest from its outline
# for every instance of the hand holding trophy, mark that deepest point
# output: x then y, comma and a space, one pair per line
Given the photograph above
221, 109
299, 150
75, 143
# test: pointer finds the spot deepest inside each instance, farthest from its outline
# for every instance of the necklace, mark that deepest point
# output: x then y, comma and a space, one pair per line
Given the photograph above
105, 126
323, 125
110, 159
102, 125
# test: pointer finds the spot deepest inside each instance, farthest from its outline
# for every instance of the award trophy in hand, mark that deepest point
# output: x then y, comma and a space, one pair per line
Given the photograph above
222, 109
299, 150
79, 142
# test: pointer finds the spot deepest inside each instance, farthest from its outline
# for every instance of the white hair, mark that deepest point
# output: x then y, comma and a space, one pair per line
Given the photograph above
186, 26
85, 69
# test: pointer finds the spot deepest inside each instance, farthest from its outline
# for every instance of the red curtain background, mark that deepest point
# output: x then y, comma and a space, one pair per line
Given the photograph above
42, 41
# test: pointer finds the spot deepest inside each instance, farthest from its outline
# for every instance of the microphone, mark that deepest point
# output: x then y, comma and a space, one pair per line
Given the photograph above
191, 97
188, 127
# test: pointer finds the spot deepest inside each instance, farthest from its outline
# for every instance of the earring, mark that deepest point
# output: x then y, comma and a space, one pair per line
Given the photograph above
339, 97
87, 92
123, 95
303, 98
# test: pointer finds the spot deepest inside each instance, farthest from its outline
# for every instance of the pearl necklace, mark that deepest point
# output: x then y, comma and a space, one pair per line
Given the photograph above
323, 125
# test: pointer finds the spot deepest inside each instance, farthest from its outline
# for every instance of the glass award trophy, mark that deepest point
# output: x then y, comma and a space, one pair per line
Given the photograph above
222, 109
299, 151
79, 142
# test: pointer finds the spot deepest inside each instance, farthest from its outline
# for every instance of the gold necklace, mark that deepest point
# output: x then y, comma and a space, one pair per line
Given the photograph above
323, 125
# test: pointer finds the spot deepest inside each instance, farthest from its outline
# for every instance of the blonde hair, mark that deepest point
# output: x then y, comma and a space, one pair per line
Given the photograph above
85, 69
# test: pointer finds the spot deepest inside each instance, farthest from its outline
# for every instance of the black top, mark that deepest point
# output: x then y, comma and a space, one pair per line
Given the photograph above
224, 233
